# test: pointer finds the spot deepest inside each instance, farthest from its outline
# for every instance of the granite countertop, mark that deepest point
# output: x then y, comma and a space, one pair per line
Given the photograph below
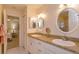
48, 39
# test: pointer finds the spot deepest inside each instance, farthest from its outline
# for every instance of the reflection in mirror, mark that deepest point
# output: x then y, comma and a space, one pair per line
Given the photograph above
40, 23
36, 22
67, 20
33, 21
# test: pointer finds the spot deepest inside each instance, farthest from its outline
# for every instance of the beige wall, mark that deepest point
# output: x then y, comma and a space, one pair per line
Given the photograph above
33, 10
52, 12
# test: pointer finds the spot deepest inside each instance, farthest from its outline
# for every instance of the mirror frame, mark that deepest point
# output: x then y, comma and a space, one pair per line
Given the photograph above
58, 17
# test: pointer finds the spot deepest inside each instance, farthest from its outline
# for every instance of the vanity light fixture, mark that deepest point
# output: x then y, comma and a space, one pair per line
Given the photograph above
33, 18
61, 6
66, 5
42, 15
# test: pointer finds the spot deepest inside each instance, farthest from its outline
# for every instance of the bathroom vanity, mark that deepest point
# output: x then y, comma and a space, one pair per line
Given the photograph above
66, 23
39, 43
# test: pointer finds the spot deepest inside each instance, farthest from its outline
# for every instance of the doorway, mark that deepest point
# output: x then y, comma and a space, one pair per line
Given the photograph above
12, 32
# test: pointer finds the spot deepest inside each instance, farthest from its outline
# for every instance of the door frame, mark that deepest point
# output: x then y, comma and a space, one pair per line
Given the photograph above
15, 14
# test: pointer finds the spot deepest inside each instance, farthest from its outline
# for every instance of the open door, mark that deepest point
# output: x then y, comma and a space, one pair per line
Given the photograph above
12, 32
11, 27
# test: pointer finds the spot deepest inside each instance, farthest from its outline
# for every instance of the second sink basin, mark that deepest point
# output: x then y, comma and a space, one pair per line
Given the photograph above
62, 42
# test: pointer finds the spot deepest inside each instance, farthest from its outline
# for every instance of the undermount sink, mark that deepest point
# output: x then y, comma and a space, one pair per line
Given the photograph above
62, 42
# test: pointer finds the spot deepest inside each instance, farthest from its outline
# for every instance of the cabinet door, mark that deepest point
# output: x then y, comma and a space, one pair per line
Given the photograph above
29, 45
37, 46
32, 48
55, 49
48, 48
43, 47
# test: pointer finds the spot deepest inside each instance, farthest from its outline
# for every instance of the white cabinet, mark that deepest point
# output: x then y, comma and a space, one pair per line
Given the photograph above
39, 47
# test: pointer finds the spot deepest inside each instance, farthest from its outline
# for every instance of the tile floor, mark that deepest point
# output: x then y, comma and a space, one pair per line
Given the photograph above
17, 50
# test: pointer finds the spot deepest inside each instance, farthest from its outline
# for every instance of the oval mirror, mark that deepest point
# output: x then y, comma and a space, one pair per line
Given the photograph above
67, 20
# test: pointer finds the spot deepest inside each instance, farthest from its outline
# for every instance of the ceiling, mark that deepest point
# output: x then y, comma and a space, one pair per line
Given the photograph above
20, 7
29, 8
34, 6
23, 6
